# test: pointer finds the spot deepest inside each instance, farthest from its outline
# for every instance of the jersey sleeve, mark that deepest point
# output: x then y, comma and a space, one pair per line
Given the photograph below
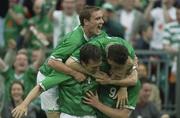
133, 93
65, 49
76, 55
54, 79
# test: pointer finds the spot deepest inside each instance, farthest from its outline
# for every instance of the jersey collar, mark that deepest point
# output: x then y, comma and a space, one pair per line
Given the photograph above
85, 36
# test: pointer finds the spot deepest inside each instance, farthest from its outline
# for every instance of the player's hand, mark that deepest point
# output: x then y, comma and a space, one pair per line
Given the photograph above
19, 111
122, 97
102, 78
101, 75
91, 99
79, 76
136, 61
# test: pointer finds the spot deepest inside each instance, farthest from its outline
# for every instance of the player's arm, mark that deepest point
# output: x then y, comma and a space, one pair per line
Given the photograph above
92, 100
72, 63
61, 67
75, 65
129, 81
21, 109
62, 52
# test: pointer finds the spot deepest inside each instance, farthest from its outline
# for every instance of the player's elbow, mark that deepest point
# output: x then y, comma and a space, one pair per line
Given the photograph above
69, 62
51, 63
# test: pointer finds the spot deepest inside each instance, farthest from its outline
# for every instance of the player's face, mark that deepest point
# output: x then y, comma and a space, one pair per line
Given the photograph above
21, 62
95, 23
115, 67
16, 92
92, 66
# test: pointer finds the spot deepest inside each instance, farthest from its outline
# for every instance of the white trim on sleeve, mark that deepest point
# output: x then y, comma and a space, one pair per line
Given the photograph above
42, 86
57, 59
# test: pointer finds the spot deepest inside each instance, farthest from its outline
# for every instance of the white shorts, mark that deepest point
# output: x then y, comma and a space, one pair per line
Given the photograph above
49, 98
64, 115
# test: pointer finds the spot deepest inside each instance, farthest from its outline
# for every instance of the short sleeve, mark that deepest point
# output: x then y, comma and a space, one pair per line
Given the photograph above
65, 50
133, 93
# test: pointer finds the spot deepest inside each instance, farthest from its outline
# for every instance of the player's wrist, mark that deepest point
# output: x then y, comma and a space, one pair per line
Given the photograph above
123, 88
112, 82
99, 105
73, 73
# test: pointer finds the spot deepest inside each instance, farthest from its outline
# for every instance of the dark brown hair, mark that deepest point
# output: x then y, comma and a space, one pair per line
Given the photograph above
86, 13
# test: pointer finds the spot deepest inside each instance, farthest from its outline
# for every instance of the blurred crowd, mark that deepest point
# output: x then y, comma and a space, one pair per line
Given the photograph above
30, 29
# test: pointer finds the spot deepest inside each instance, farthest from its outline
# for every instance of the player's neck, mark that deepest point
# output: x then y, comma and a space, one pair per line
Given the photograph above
87, 33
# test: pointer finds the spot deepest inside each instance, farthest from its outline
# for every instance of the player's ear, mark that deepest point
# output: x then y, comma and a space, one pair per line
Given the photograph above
86, 22
83, 63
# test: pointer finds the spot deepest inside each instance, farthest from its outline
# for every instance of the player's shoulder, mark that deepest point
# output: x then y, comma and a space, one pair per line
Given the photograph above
118, 40
75, 35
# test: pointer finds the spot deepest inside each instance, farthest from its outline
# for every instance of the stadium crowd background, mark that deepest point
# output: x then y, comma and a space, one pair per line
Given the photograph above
29, 32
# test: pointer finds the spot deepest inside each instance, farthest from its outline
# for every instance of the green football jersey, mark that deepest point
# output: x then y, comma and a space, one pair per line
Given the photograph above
71, 93
106, 94
103, 43
71, 42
